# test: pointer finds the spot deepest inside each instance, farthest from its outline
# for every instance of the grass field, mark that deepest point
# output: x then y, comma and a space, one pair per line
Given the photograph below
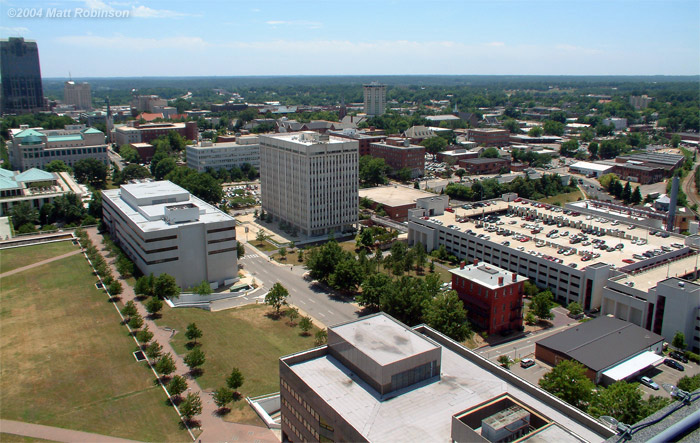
18, 257
563, 198
67, 361
244, 338
12, 438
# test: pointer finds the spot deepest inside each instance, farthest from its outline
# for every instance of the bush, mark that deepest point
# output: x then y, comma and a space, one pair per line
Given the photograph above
692, 356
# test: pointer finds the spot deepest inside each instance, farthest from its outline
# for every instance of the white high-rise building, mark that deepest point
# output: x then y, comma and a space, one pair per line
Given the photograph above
375, 98
78, 95
310, 181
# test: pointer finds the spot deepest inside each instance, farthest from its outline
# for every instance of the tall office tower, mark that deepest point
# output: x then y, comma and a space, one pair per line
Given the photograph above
375, 98
78, 95
310, 181
21, 77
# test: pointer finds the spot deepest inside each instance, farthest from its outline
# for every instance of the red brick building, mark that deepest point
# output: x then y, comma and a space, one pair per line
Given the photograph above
489, 136
483, 165
363, 139
145, 150
151, 131
400, 155
493, 297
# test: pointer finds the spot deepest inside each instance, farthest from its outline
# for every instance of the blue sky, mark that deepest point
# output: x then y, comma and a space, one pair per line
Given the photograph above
231, 37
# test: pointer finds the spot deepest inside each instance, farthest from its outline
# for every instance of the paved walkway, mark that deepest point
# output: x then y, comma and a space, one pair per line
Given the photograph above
40, 263
54, 434
214, 428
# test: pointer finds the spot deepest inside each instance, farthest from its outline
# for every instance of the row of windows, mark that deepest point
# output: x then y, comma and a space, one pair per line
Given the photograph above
228, 228
221, 240
221, 251
299, 417
64, 152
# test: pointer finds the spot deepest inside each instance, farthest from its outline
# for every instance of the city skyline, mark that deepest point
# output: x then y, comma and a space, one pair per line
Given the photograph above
215, 38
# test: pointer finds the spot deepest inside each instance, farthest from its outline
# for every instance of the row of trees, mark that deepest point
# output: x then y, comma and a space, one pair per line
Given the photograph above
548, 185
611, 182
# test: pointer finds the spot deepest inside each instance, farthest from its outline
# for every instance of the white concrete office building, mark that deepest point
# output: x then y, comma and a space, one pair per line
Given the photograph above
375, 98
164, 229
78, 95
310, 181
224, 155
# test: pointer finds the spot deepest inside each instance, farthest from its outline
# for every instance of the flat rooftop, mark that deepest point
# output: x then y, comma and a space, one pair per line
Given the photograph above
487, 275
468, 219
651, 277
383, 339
394, 195
423, 412
306, 138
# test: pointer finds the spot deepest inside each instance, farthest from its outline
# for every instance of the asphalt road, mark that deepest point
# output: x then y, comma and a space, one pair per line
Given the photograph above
323, 306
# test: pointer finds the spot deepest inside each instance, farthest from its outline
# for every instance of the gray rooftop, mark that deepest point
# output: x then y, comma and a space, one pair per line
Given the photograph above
383, 339
601, 342
423, 412
487, 275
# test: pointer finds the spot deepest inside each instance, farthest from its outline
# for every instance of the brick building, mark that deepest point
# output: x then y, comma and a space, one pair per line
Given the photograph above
476, 166
489, 136
145, 151
456, 155
363, 139
492, 296
399, 154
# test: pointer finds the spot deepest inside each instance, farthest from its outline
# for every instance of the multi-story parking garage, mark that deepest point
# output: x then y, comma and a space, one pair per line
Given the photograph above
574, 254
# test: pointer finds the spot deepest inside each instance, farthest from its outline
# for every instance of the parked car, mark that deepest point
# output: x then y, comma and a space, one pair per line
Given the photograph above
674, 364
646, 381
527, 362
678, 356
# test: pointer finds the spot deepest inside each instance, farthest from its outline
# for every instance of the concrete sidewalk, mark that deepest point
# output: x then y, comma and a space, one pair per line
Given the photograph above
54, 434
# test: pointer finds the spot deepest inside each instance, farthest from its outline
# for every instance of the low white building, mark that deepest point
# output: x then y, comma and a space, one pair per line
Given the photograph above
619, 123
165, 229
590, 169
35, 187
224, 155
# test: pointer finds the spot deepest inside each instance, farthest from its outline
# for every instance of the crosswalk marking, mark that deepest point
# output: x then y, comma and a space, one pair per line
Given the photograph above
248, 256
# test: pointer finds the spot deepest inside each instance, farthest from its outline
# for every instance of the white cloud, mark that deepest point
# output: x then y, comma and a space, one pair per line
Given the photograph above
13, 31
119, 41
146, 12
297, 23
495, 44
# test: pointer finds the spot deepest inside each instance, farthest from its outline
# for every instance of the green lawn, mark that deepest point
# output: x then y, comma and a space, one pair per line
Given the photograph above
18, 257
12, 438
563, 198
244, 338
67, 362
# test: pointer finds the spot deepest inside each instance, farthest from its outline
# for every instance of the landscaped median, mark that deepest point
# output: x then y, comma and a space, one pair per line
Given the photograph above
67, 361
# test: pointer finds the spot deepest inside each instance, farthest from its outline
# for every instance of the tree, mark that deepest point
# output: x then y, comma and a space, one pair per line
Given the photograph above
541, 305
365, 238
569, 382
305, 324
374, 285
636, 196
675, 140
552, 127
574, 309
165, 286
460, 173
91, 171
277, 297
505, 361
627, 193
115, 288
177, 386
222, 397
530, 318
678, 341
446, 313
569, 148
607, 180
593, 149
490, 153
125, 267
689, 384
161, 168
204, 288
165, 365
620, 400
235, 380
283, 253
293, 314
321, 337
154, 350
129, 310
240, 250
404, 174
57, 166
372, 170
434, 145
131, 172
535, 131
260, 237
154, 306
193, 333
347, 275
144, 335
136, 321
194, 359
23, 214
191, 406
145, 285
